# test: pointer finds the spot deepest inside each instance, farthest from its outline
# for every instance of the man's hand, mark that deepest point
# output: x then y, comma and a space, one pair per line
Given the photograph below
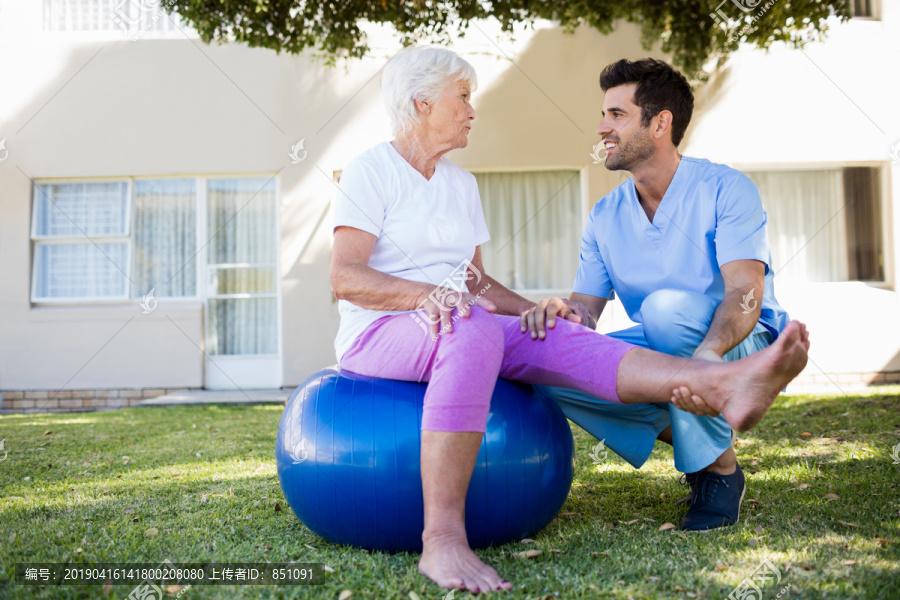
543, 316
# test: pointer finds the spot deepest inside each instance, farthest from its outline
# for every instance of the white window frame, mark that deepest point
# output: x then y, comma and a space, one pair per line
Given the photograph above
585, 210
889, 282
132, 294
38, 240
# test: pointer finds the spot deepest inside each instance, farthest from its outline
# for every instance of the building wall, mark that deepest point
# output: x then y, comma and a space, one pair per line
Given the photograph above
99, 105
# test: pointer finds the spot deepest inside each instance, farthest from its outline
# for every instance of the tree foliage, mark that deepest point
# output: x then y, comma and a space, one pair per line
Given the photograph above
687, 29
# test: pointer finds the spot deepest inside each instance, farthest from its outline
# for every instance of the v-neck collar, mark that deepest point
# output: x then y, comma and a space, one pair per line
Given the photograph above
656, 229
416, 172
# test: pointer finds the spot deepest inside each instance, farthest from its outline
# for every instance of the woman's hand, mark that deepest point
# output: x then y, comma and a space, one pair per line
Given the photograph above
546, 311
439, 305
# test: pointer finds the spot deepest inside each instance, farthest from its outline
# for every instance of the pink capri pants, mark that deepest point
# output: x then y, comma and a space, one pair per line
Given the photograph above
461, 367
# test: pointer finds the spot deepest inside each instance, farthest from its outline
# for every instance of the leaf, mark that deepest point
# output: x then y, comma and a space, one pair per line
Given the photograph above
846, 524
265, 547
129, 511
414, 596
174, 588
758, 529
666, 526
555, 551
529, 554
107, 587
277, 507
720, 568
752, 542
345, 595
151, 532
135, 520
803, 486
831, 496
632, 522
882, 540
806, 434
850, 563
327, 568
48, 432
526, 540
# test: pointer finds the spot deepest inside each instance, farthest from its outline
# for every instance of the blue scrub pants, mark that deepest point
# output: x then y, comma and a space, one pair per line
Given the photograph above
673, 322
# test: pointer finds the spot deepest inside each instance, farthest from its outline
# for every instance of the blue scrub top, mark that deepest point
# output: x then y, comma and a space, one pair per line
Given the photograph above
710, 215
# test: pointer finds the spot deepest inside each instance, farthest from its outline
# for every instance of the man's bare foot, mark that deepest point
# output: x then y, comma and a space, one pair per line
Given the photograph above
448, 561
748, 387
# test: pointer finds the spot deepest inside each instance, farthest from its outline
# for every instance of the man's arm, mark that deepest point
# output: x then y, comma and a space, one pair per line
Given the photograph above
579, 308
739, 311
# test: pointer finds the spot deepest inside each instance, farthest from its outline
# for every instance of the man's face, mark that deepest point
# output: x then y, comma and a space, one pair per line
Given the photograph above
627, 143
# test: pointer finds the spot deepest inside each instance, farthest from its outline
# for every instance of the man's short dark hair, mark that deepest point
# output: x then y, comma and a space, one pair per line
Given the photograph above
659, 88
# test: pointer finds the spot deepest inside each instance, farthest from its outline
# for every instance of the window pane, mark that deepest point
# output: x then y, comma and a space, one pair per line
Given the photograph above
534, 219
824, 224
78, 209
241, 223
242, 326
242, 280
81, 270
865, 244
165, 237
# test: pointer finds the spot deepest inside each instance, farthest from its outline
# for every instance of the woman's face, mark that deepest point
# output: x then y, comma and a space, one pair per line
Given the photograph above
451, 116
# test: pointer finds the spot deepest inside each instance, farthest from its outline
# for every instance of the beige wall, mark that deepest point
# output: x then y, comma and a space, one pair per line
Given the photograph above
102, 106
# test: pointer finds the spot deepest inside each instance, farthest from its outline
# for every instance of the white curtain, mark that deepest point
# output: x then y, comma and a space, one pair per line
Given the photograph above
535, 223
165, 237
807, 225
242, 217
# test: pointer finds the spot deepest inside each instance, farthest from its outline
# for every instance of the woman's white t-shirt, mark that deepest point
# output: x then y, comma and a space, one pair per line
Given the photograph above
425, 228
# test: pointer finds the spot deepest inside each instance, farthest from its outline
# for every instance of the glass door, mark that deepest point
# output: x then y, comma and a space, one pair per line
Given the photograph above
243, 346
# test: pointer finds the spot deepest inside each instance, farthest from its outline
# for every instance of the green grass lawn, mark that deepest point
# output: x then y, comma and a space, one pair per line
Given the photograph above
93, 487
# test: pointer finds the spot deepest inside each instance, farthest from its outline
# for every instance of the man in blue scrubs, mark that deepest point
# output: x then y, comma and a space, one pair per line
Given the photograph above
683, 244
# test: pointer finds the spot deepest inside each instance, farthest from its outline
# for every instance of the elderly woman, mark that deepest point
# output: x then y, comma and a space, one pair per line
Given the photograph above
406, 220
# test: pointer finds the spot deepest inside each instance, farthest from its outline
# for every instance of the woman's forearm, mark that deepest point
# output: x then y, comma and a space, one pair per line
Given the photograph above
374, 290
507, 301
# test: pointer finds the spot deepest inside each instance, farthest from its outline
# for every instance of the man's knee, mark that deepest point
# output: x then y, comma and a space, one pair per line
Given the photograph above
675, 321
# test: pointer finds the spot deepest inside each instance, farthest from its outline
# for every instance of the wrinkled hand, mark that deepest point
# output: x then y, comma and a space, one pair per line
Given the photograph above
543, 316
439, 304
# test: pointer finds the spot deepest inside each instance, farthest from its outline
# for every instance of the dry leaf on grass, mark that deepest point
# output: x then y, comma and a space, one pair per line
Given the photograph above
129, 511
830, 496
151, 532
174, 588
806, 434
758, 529
344, 595
107, 587
847, 524
327, 568
803, 486
529, 554
666, 526
277, 507
752, 542
414, 596
850, 563
48, 432
632, 522
526, 540
720, 568
882, 540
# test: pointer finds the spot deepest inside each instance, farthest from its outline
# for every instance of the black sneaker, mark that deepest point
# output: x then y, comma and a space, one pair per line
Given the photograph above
716, 500
690, 480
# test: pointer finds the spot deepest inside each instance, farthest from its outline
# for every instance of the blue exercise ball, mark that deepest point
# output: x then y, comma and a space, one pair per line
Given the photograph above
348, 462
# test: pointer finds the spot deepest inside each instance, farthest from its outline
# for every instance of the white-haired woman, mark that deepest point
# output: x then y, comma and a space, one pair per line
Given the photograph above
406, 220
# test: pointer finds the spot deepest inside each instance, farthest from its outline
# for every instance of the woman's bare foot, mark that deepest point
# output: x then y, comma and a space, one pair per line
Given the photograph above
745, 389
448, 561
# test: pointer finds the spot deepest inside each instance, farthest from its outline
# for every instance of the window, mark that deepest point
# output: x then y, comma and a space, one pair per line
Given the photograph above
130, 16
825, 224
865, 9
114, 240
535, 222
